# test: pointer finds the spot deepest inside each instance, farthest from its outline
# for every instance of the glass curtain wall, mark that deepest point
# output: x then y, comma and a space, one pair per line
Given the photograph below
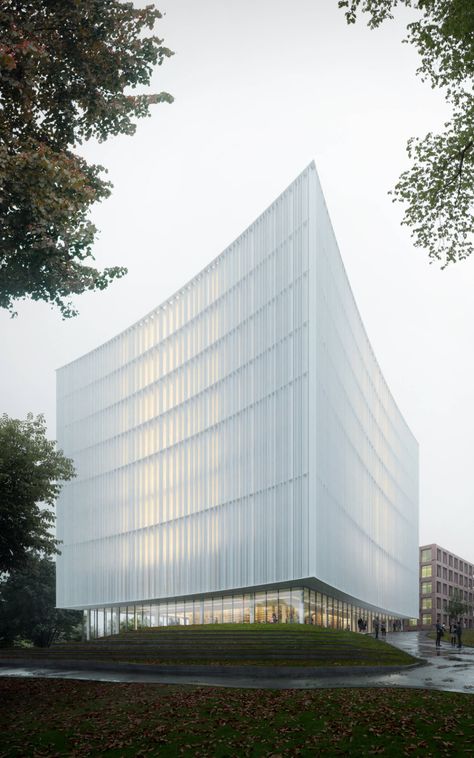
296, 605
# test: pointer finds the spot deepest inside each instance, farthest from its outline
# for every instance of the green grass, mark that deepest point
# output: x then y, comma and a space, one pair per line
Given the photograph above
45, 717
467, 637
232, 644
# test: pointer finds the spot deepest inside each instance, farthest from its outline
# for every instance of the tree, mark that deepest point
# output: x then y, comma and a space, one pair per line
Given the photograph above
27, 606
438, 189
65, 73
456, 606
31, 473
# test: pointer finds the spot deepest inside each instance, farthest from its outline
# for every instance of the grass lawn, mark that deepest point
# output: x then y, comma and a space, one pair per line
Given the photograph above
47, 717
467, 637
232, 644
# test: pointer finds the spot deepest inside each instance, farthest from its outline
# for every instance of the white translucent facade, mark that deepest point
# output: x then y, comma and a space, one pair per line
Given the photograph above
241, 438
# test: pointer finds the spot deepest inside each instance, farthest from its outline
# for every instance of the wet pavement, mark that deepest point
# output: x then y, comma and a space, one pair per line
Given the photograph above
446, 668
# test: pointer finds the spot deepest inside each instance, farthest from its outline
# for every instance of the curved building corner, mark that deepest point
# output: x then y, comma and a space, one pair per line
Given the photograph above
239, 455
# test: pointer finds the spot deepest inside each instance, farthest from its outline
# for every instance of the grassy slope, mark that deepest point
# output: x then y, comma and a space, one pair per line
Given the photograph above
47, 717
265, 644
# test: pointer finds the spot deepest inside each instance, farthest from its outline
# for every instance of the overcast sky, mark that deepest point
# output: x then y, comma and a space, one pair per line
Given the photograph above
262, 87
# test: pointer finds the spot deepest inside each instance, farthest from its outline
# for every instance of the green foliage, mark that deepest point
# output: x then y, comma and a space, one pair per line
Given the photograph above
438, 189
27, 606
66, 70
60, 717
457, 607
378, 10
31, 472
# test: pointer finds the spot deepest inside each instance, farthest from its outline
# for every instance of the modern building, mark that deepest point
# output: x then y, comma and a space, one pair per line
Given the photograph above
239, 454
443, 576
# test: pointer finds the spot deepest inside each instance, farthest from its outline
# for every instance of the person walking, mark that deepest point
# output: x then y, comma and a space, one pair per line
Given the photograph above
376, 627
439, 633
452, 631
459, 633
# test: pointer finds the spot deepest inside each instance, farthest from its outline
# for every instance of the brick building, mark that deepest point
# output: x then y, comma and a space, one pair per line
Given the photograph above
441, 574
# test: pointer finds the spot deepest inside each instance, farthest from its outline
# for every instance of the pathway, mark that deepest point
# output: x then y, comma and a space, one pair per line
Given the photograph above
446, 669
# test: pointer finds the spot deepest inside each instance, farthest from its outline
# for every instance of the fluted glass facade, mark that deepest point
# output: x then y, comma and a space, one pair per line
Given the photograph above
240, 439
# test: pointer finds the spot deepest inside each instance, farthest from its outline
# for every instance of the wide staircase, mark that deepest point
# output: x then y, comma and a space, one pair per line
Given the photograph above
220, 644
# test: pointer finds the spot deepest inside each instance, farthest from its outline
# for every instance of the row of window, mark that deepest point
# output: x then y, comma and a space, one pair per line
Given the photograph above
290, 605
427, 602
451, 560
427, 589
463, 581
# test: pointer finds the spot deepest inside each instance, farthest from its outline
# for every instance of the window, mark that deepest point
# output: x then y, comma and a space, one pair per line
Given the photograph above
450, 591
426, 555
412, 622
438, 555
445, 589
445, 558
438, 602
438, 587
426, 619
455, 578
426, 603
445, 573
455, 563
450, 575
450, 560
438, 570
425, 571
426, 588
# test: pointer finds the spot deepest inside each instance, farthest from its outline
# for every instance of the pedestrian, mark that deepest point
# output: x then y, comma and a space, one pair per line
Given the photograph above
439, 633
459, 633
383, 629
376, 627
360, 624
452, 631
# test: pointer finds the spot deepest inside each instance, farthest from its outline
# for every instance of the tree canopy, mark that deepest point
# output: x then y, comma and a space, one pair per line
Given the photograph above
456, 606
31, 475
438, 189
66, 71
27, 606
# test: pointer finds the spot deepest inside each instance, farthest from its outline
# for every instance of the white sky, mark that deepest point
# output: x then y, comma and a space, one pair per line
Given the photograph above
262, 87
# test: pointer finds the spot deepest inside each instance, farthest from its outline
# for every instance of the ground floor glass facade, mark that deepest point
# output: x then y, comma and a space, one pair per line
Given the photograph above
295, 605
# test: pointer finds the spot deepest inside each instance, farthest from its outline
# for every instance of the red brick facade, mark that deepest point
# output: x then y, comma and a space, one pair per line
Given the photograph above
441, 574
